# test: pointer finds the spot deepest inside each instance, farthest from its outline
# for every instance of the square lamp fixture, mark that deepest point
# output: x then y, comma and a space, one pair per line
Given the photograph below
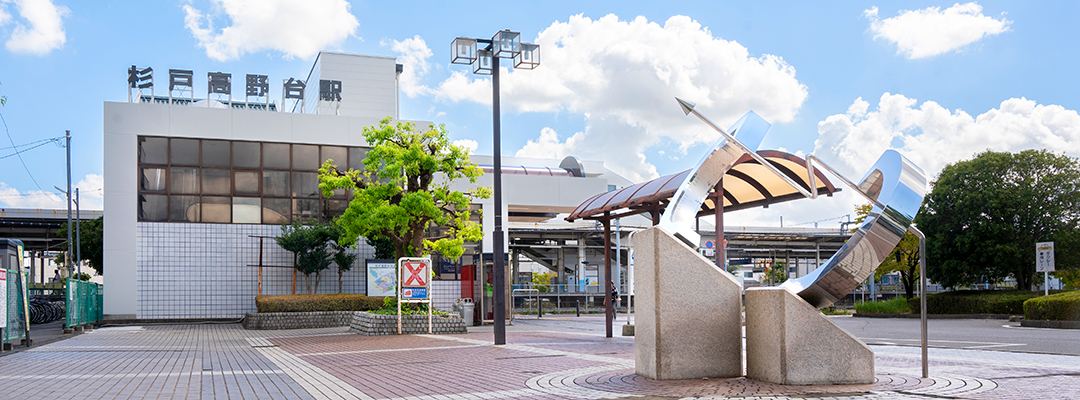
506, 44
463, 51
529, 57
483, 63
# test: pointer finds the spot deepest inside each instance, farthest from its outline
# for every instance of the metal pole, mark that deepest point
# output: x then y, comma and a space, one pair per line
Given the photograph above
78, 233
609, 311
497, 237
67, 256
719, 247
922, 294
1046, 283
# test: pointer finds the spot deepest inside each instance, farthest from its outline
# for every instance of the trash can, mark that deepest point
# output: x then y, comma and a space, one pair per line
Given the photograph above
465, 308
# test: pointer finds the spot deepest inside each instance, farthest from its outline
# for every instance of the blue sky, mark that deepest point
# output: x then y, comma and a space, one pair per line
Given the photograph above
938, 81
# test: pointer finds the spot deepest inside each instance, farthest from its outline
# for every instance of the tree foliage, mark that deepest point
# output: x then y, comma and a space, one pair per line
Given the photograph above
91, 244
308, 243
384, 248
983, 217
405, 189
903, 259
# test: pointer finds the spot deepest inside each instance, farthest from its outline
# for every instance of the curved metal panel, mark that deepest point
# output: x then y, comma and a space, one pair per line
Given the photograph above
900, 186
679, 216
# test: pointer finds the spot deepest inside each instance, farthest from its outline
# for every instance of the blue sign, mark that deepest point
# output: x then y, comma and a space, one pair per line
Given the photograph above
414, 293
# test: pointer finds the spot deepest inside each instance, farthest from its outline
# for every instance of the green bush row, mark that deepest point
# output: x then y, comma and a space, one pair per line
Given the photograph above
975, 302
1056, 307
897, 305
317, 302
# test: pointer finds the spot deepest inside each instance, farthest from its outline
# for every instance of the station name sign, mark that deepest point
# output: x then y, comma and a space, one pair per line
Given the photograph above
219, 87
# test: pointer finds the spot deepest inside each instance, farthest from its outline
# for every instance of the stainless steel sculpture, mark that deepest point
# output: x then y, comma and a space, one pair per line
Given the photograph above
896, 187
678, 218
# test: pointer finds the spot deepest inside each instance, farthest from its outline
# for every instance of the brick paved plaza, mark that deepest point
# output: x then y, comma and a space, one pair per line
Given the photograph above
553, 358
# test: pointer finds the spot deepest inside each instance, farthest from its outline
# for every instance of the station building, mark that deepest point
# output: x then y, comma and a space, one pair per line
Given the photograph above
198, 183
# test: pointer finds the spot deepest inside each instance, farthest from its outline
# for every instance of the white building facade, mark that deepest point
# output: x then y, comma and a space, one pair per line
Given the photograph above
192, 189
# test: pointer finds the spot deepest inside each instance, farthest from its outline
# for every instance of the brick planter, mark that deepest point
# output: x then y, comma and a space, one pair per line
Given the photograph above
369, 324
296, 320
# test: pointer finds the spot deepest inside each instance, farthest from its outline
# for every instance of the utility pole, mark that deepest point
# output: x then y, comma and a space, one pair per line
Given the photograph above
67, 256
78, 233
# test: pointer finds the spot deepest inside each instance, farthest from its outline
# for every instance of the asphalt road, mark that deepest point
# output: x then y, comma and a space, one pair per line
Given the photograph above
982, 334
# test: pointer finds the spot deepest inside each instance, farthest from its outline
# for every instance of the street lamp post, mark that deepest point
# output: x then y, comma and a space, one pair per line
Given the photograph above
505, 44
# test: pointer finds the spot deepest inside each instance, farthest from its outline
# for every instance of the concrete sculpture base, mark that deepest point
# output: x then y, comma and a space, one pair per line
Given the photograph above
789, 342
687, 317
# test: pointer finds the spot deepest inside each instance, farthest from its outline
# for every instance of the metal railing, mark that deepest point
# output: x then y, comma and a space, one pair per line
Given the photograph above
84, 301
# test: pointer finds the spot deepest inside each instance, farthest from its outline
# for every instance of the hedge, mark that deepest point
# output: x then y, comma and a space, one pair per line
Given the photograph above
1056, 307
975, 302
317, 302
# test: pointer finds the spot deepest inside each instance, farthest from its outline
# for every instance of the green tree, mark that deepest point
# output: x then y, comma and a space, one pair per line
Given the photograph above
308, 243
384, 248
91, 244
541, 281
903, 259
404, 189
342, 257
983, 216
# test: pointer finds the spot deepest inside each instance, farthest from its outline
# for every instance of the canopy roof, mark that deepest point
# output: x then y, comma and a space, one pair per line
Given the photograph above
747, 185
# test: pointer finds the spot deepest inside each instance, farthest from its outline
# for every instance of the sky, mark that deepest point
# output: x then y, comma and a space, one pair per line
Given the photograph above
938, 81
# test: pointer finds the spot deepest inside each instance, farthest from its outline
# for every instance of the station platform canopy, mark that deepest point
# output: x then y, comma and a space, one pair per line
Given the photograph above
747, 184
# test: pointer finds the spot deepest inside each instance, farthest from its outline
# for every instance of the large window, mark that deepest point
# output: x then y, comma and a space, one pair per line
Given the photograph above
239, 182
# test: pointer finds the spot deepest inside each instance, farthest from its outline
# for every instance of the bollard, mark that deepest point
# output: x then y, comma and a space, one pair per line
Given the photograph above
539, 307
577, 307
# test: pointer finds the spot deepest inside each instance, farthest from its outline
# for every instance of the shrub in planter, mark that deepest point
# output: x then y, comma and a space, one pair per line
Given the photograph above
975, 302
317, 302
1056, 307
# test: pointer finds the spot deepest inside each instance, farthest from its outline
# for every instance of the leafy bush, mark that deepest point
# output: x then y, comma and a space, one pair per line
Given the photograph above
835, 311
898, 305
317, 302
1056, 307
975, 302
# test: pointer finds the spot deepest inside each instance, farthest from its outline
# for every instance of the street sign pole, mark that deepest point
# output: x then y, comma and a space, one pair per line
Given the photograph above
1044, 262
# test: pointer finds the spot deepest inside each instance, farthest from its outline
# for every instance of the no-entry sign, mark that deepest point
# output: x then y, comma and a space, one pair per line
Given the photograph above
415, 272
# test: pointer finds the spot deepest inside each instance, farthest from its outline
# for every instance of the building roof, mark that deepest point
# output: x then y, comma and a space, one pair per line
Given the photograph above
746, 185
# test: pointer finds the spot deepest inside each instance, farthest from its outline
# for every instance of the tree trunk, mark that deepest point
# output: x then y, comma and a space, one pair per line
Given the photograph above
339, 273
307, 282
318, 275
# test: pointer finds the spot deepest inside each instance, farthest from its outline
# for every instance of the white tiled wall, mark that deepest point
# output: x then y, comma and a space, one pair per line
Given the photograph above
201, 270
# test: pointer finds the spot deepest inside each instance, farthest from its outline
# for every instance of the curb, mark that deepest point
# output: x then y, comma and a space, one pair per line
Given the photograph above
933, 316
1050, 324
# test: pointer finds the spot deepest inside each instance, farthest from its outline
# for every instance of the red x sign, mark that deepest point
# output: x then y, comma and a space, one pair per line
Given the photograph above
417, 272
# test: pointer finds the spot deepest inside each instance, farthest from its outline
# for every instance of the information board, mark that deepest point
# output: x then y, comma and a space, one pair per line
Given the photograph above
381, 280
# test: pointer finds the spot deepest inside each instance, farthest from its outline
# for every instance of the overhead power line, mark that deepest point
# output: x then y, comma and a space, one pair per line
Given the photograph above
19, 154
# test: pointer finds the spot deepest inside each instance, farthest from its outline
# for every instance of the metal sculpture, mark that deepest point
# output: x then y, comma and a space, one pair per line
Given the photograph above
894, 185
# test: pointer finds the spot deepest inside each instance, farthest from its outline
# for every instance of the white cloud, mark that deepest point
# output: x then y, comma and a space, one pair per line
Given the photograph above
414, 58
468, 144
90, 196
928, 134
933, 136
295, 28
623, 77
45, 32
931, 31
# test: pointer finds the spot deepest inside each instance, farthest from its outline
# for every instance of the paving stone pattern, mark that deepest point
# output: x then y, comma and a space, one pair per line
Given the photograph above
224, 361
